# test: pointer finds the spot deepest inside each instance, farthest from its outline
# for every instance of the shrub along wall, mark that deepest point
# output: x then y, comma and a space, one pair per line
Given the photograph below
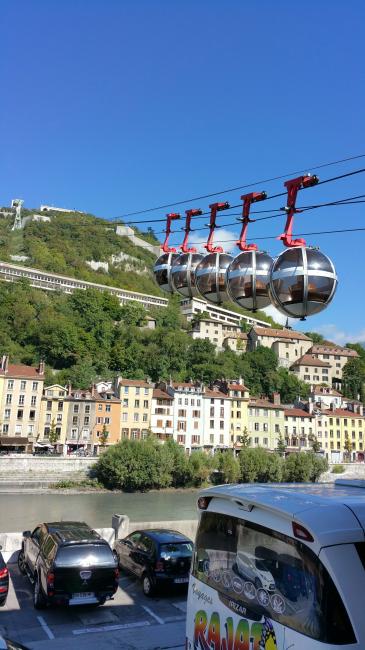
147, 464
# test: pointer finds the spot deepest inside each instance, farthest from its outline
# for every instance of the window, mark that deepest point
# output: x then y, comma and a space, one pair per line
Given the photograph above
106, 420
30, 429
8, 398
76, 408
181, 413
221, 424
126, 390
136, 417
74, 419
18, 429
265, 426
59, 417
257, 426
87, 407
49, 405
198, 402
181, 439
73, 434
86, 419
145, 404
5, 428
107, 408
186, 401
7, 414
196, 414
32, 415
124, 417
227, 546
256, 441
181, 426
23, 385
33, 400
100, 407
125, 403
212, 411
21, 400
195, 440
277, 428
35, 385
10, 384
145, 417
19, 414
266, 441
146, 391
179, 401
60, 406
136, 403
211, 424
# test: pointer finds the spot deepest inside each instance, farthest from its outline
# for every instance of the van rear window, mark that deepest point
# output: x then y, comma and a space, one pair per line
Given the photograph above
271, 575
84, 555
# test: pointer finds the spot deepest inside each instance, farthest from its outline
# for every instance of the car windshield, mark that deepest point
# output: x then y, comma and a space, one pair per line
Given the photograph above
176, 549
84, 555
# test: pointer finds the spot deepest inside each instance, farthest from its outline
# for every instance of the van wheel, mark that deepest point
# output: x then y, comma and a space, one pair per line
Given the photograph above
39, 600
21, 562
147, 585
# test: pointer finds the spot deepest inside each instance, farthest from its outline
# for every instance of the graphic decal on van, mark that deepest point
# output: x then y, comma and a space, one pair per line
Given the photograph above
246, 635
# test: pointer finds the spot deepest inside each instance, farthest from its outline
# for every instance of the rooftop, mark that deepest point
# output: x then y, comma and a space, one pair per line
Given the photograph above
161, 394
239, 387
280, 334
298, 413
22, 371
326, 390
263, 403
134, 382
309, 360
335, 349
341, 413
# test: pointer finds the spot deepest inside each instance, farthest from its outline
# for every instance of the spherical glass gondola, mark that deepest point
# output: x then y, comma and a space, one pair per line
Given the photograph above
248, 278
211, 277
183, 274
162, 271
303, 282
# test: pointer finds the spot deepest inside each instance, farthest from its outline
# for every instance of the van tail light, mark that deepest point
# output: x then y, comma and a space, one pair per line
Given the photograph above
50, 583
302, 533
160, 566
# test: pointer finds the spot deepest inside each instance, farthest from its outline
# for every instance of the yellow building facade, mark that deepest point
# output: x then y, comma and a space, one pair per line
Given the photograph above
136, 407
54, 414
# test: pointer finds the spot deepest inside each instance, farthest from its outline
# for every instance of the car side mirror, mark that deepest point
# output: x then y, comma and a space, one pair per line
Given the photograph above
127, 542
26, 534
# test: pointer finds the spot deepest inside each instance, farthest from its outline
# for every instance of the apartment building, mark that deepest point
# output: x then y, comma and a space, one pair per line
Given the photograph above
81, 415
288, 345
312, 370
216, 420
54, 415
214, 331
299, 429
107, 420
240, 397
162, 414
21, 393
336, 426
266, 422
190, 307
188, 416
325, 397
136, 405
335, 356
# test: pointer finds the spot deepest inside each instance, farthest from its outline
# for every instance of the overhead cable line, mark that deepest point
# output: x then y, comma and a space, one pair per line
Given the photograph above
301, 234
240, 187
273, 196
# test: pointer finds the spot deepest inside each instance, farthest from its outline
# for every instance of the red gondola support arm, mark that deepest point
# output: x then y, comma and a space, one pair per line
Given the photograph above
293, 186
214, 208
189, 215
248, 199
169, 218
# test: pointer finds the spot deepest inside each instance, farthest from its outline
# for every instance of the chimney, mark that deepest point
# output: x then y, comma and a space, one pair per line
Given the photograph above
310, 407
41, 367
5, 362
276, 399
69, 388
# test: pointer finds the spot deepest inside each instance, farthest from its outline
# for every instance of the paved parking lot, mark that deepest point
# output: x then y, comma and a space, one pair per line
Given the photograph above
129, 621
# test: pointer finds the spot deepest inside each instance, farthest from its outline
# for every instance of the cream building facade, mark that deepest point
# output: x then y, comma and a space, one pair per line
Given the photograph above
312, 370
266, 422
336, 356
54, 415
288, 345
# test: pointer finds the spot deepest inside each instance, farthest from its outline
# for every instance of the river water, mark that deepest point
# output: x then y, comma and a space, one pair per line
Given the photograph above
24, 511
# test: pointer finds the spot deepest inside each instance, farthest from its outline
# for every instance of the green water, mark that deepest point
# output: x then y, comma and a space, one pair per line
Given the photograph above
24, 511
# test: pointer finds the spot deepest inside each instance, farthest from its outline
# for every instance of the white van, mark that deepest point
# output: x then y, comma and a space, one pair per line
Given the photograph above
279, 567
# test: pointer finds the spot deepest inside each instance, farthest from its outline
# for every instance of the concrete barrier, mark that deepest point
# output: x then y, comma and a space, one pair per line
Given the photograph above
11, 542
40, 466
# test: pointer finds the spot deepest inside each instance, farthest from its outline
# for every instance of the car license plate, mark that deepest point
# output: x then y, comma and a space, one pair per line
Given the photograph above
84, 594
179, 581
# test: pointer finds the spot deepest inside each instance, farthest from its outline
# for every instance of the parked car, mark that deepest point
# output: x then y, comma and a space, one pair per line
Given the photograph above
160, 558
68, 563
252, 568
4, 580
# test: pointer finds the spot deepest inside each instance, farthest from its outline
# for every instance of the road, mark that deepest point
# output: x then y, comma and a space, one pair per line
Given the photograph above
130, 621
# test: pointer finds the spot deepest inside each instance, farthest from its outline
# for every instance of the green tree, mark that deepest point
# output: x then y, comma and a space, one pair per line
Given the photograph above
347, 447
53, 435
315, 337
303, 467
315, 444
353, 376
259, 465
245, 438
200, 467
281, 446
133, 313
228, 466
104, 436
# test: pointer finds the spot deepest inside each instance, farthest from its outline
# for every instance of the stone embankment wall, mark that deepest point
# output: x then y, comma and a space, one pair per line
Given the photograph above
40, 466
121, 527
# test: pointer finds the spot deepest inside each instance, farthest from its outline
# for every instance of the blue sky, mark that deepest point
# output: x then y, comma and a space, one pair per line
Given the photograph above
113, 106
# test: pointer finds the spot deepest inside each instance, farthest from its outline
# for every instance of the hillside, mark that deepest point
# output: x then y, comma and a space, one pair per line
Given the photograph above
66, 243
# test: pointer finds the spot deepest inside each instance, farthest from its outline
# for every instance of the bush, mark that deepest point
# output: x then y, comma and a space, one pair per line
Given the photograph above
304, 467
259, 465
228, 467
338, 469
200, 467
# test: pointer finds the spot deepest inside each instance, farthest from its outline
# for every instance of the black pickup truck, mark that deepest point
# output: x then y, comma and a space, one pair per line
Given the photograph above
68, 563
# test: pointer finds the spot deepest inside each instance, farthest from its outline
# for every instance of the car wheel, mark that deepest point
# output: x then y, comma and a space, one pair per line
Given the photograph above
258, 583
147, 585
21, 562
39, 600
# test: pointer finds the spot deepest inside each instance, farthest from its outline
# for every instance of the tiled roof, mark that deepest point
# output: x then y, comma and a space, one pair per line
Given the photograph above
239, 387
134, 382
297, 413
263, 403
185, 384
215, 393
160, 394
20, 370
322, 390
338, 350
341, 413
236, 335
309, 360
280, 334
